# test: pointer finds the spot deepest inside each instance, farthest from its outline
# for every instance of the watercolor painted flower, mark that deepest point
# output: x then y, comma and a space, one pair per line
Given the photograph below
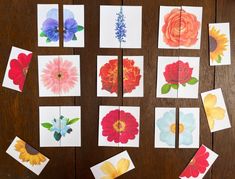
59, 76
213, 112
177, 73
19, 68
180, 28
218, 44
120, 29
28, 153
167, 127
186, 127
111, 171
119, 126
197, 165
60, 126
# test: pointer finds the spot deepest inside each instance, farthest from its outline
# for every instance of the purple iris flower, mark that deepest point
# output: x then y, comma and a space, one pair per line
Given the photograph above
70, 28
50, 28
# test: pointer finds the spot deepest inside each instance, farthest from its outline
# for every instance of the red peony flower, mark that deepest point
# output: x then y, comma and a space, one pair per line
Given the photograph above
197, 165
19, 68
178, 72
119, 126
180, 28
131, 75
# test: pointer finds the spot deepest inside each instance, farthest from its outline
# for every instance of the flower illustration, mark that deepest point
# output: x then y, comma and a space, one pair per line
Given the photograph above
213, 112
60, 126
59, 76
218, 44
180, 28
167, 127
28, 153
186, 127
177, 73
120, 29
197, 165
19, 68
119, 126
111, 171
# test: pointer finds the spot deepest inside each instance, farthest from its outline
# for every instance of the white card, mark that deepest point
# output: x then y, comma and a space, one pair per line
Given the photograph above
199, 164
219, 44
48, 25
165, 127
119, 126
59, 75
120, 26
73, 17
113, 167
189, 127
27, 155
215, 109
17, 69
60, 126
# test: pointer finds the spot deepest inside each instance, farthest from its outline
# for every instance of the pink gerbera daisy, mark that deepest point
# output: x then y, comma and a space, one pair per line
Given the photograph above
59, 75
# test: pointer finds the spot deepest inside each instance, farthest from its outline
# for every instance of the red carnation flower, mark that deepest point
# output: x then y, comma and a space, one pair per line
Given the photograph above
119, 126
19, 68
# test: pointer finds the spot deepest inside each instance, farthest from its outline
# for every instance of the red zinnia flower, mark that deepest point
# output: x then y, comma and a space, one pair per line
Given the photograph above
197, 165
19, 68
119, 126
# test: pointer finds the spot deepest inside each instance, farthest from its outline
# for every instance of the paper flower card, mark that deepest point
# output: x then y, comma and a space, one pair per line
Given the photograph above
177, 77
59, 75
219, 41
120, 26
180, 27
199, 164
17, 69
113, 167
215, 109
60, 126
27, 155
119, 126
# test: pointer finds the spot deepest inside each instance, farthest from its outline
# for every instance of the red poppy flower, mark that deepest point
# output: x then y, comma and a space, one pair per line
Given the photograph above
197, 165
19, 68
119, 126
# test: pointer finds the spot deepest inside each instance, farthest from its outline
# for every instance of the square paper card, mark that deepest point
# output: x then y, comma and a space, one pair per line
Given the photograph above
216, 111
27, 155
17, 68
180, 27
199, 164
120, 26
60, 126
178, 77
59, 75
73, 25
48, 25
219, 39
119, 126
113, 167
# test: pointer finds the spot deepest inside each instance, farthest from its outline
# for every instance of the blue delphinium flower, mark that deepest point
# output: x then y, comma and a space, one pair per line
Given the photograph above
120, 30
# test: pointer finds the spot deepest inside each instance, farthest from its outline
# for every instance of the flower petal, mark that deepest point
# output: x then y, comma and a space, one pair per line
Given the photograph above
210, 100
122, 166
108, 169
217, 113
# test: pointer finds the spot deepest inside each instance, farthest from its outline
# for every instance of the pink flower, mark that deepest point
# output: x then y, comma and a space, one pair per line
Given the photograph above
59, 76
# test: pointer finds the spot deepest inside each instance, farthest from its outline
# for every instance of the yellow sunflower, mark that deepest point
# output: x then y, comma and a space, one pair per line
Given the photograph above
112, 172
28, 153
213, 112
218, 44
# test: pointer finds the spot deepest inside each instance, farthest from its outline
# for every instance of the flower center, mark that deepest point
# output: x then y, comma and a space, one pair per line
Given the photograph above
31, 150
119, 126
173, 128
213, 44
25, 71
59, 75
192, 161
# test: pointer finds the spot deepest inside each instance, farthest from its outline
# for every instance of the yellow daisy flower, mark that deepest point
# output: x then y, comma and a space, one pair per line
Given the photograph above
213, 112
112, 172
28, 153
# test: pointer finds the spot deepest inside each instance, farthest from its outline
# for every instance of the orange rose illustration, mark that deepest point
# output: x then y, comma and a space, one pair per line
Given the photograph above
180, 28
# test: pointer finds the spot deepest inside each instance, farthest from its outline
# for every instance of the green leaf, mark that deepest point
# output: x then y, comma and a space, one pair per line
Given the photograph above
42, 34
80, 28
218, 60
74, 37
72, 121
165, 88
48, 40
57, 136
47, 125
175, 86
192, 81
